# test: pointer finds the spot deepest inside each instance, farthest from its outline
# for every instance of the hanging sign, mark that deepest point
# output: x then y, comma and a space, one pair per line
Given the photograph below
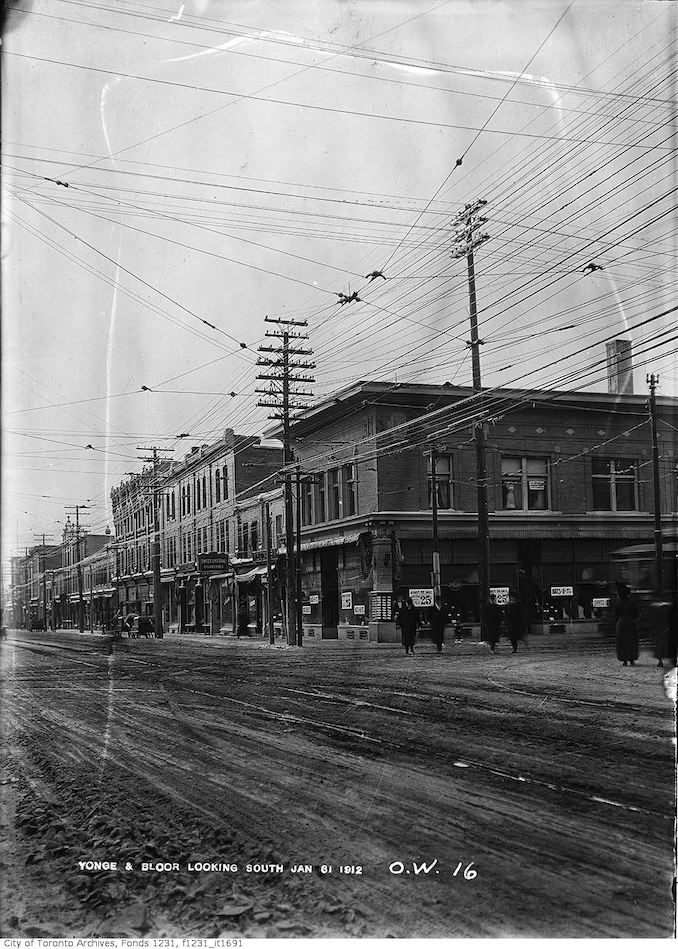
562, 591
600, 602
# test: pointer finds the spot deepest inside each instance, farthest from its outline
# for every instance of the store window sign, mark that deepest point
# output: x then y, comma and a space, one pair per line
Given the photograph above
314, 599
600, 602
306, 610
422, 598
536, 485
347, 601
562, 591
359, 609
501, 595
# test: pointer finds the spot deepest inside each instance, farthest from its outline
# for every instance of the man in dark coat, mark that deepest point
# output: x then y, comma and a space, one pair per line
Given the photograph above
437, 621
408, 620
515, 622
490, 620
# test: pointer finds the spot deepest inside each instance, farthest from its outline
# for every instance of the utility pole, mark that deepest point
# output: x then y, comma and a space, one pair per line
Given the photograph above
44, 575
653, 382
467, 238
300, 630
155, 460
76, 508
269, 584
283, 397
435, 576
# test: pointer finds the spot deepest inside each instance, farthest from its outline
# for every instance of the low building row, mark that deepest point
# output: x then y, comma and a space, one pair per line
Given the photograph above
384, 476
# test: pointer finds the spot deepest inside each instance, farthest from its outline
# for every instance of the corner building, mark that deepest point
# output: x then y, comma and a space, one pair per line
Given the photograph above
569, 481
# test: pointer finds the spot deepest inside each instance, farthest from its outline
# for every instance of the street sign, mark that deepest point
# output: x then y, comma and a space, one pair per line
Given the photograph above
359, 609
422, 598
314, 598
562, 591
306, 610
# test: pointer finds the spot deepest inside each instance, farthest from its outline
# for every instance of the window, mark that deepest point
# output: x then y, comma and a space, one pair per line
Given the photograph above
614, 484
320, 497
525, 484
443, 482
278, 530
188, 500
217, 486
245, 540
198, 540
204, 490
254, 535
350, 490
306, 489
174, 510
333, 494
224, 479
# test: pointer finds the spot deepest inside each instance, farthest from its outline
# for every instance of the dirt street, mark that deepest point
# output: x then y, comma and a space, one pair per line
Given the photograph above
458, 795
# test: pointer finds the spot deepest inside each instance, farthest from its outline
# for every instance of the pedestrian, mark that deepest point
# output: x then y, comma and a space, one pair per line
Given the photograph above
437, 621
490, 622
408, 620
666, 636
626, 614
515, 621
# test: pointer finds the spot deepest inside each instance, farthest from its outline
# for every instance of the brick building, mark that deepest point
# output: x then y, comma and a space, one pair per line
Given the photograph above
569, 481
199, 505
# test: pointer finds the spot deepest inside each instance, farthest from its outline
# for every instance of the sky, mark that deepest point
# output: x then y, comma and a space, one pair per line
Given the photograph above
173, 173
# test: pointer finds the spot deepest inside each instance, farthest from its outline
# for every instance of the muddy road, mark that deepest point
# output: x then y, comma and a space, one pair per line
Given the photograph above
336, 790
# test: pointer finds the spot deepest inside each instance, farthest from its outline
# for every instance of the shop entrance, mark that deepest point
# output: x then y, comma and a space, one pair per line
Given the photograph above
329, 582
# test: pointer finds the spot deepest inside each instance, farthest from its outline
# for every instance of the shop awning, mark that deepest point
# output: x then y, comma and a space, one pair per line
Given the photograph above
251, 574
333, 540
104, 594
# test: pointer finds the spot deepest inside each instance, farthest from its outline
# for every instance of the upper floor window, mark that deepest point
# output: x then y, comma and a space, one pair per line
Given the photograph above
204, 490
525, 484
306, 489
333, 494
224, 481
188, 499
320, 497
350, 490
217, 486
278, 529
254, 535
442, 480
614, 484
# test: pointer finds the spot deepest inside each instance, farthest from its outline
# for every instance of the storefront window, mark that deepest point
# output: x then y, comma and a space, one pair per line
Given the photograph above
524, 484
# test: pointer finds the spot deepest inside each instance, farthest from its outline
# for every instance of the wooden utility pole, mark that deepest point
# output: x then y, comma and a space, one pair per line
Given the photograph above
155, 460
653, 382
76, 508
43, 571
269, 578
467, 239
299, 617
283, 397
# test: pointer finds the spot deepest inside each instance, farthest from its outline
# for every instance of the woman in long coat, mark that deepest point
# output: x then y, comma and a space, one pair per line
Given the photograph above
626, 614
408, 620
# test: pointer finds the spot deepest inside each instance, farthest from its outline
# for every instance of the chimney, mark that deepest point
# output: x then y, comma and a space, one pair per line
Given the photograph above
620, 366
